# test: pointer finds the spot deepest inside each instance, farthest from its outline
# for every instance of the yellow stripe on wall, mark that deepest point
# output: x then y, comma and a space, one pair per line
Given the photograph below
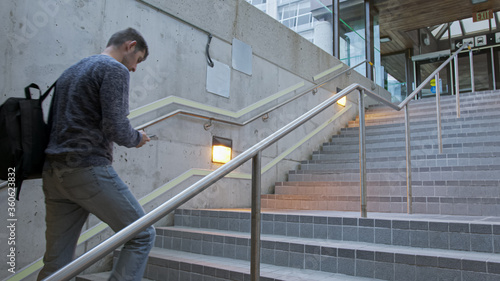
182, 101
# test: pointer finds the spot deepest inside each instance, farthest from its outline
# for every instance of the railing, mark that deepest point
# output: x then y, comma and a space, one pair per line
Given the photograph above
255, 153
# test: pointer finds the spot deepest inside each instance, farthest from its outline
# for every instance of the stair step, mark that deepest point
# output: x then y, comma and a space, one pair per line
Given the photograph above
451, 173
398, 149
179, 265
349, 245
389, 204
465, 100
492, 114
315, 256
447, 232
431, 160
430, 125
469, 190
101, 276
373, 164
470, 135
420, 127
428, 114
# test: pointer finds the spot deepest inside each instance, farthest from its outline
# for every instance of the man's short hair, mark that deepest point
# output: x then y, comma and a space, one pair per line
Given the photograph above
129, 34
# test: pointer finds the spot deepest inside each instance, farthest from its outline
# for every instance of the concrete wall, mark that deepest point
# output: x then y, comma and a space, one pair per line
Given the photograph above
42, 38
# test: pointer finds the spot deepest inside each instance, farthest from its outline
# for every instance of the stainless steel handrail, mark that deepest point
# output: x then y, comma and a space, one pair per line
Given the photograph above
84, 261
198, 115
254, 153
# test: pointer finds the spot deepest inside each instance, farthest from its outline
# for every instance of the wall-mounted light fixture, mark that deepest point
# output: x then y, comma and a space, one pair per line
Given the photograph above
221, 150
342, 101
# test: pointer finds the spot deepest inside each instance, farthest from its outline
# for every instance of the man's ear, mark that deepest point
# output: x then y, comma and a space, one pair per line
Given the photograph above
130, 45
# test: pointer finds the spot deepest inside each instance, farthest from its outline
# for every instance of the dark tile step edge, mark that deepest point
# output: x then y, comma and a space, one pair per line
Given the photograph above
461, 132
475, 168
431, 108
415, 123
447, 137
101, 276
447, 156
417, 166
371, 131
431, 103
421, 115
228, 269
435, 183
478, 225
420, 111
464, 98
431, 148
354, 198
476, 232
447, 259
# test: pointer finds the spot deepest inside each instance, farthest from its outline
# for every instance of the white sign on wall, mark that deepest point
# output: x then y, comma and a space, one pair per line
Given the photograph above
219, 79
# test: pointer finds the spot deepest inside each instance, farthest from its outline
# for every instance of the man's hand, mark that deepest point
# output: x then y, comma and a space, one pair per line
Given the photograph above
144, 139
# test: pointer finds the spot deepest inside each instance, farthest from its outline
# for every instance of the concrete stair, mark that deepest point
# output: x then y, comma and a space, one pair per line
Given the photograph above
463, 180
320, 245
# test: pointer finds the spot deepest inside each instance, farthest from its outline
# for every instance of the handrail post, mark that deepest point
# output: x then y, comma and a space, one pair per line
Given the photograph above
255, 235
493, 69
457, 86
362, 154
473, 87
409, 196
438, 112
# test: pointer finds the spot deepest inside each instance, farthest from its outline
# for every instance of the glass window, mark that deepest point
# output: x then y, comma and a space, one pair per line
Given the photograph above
455, 29
304, 19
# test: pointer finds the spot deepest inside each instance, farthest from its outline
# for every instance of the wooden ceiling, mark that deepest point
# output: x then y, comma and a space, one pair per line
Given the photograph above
400, 18
397, 17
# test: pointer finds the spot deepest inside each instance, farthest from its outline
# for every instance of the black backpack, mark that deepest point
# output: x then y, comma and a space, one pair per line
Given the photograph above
24, 136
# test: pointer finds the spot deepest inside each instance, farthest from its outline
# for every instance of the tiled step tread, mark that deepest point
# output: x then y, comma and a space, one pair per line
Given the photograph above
422, 109
447, 148
437, 169
430, 127
101, 276
244, 213
355, 182
449, 108
431, 135
465, 98
231, 269
444, 121
451, 259
444, 157
478, 232
421, 114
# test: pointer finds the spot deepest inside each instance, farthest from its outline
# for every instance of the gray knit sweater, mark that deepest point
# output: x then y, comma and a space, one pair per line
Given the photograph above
90, 113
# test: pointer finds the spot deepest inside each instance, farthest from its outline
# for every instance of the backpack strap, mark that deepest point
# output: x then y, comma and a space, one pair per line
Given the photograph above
46, 94
27, 92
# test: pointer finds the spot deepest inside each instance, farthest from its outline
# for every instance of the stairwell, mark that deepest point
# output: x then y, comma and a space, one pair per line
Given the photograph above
311, 226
